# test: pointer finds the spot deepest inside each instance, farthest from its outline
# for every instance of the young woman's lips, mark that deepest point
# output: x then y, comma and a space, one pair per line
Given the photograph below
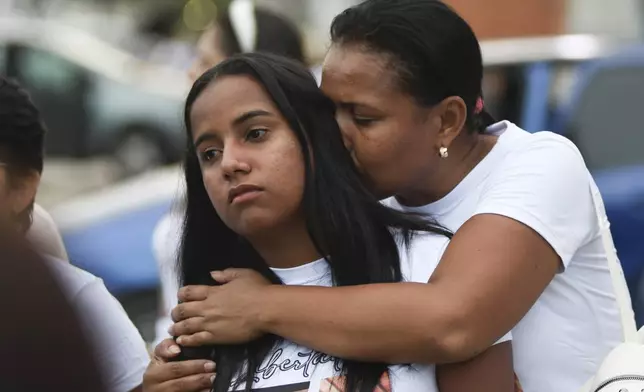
243, 193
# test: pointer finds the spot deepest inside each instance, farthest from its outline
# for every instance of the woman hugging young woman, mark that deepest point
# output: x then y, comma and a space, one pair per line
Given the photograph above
526, 256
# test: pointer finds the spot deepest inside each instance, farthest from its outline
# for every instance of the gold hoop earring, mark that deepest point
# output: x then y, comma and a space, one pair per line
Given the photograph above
443, 152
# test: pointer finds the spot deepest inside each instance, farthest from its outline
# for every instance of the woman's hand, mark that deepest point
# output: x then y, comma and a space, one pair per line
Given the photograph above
184, 376
225, 314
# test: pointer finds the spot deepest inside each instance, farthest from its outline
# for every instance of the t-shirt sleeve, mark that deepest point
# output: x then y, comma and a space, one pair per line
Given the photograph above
119, 348
544, 185
422, 258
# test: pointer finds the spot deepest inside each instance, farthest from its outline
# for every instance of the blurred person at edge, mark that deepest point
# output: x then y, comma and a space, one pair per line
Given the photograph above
44, 235
43, 344
120, 351
246, 28
527, 253
243, 29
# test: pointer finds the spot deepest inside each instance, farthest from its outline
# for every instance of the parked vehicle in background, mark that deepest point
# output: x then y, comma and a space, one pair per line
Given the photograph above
538, 83
94, 98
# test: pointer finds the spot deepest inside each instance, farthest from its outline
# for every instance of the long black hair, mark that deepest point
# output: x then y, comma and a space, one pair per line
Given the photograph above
345, 221
434, 51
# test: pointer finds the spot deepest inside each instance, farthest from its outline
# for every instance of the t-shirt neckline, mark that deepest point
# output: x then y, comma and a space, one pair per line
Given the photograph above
304, 274
477, 174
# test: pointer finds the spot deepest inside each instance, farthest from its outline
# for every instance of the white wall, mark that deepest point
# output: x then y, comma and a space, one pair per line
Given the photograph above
622, 18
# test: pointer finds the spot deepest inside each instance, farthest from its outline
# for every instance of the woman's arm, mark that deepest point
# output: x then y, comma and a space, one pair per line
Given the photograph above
491, 274
490, 371
531, 219
528, 224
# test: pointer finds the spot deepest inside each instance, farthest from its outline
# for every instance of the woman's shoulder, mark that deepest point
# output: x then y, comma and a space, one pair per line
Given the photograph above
534, 148
71, 278
540, 162
543, 183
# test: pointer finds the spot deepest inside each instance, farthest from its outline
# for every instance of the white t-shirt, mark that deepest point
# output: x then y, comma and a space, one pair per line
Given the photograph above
165, 245
120, 351
293, 368
541, 181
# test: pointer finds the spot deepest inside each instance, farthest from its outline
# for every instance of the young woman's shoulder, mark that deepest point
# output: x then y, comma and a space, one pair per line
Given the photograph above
419, 261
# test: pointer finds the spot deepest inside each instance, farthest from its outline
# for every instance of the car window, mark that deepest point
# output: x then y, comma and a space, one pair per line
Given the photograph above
46, 70
60, 89
607, 124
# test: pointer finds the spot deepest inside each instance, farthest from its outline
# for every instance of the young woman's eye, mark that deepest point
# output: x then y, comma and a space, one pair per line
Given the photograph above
256, 134
210, 154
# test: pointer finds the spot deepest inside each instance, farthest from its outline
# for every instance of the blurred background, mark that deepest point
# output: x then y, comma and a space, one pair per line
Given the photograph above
110, 77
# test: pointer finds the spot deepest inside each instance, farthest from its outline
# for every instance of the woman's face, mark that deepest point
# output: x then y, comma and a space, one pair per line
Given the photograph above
209, 53
394, 141
251, 161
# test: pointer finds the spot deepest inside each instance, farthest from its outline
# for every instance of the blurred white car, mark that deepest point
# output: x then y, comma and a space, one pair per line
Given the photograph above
95, 98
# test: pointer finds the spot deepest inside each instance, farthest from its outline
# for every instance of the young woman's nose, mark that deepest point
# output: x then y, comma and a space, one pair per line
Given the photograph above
233, 163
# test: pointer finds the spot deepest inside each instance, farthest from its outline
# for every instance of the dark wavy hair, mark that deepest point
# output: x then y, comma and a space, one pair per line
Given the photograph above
433, 50
345, 221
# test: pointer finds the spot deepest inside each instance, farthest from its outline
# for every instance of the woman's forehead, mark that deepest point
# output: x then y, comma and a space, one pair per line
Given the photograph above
356, 64
349, 74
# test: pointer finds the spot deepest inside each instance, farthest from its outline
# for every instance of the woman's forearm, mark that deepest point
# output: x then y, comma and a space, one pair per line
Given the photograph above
357, 322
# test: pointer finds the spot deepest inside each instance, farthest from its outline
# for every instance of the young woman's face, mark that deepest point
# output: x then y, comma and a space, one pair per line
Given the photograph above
251, 161
209, 53
394, 141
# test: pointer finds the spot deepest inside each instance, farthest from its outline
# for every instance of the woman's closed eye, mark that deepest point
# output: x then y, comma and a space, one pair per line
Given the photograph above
363, 121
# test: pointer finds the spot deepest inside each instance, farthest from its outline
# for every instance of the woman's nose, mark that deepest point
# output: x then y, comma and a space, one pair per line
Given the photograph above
233, 164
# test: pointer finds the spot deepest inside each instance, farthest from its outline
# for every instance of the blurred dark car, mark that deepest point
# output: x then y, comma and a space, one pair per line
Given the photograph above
95, 99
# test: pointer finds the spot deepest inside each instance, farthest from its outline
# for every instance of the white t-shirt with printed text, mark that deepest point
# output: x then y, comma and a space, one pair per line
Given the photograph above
293, 368
541, 181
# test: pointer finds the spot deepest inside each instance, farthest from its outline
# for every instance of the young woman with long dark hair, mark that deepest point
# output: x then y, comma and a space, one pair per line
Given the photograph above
271, 188
241, 28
